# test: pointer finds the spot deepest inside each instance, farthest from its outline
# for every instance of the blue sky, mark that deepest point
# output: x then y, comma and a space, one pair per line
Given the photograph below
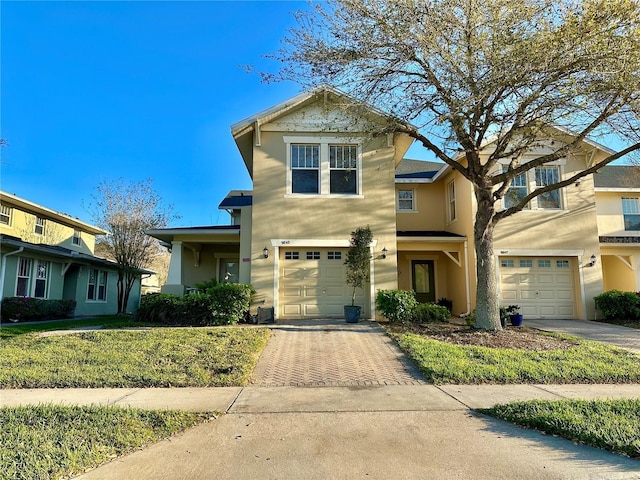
95, 91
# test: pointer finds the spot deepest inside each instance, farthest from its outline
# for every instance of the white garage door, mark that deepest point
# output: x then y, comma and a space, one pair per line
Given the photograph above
312, 283
543, 287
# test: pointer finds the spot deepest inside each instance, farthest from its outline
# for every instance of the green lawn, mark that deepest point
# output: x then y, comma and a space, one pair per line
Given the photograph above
9, 330
610, 424
157, 357
51, 442
586, 362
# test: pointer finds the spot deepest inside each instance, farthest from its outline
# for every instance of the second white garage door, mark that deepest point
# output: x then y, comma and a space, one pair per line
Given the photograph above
543, 287
312, 283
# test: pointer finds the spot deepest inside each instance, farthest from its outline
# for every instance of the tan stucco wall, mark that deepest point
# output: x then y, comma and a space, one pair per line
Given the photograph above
430, 208
22, 226
610, 217
276, 217
621, 268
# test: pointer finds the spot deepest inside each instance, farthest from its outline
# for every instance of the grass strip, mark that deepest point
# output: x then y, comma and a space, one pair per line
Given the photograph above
609, 424
163, 357
586, 362
50, 442
10, 330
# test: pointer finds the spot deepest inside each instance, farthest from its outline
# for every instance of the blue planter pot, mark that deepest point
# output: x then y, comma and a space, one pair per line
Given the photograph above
352, 313
516, 319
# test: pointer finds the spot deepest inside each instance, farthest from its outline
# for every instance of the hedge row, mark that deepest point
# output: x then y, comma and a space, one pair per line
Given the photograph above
22, 309
223, 304
617, 305
401, 306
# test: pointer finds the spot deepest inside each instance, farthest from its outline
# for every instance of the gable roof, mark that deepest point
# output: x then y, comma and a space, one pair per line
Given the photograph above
236, 199
415, 171
243, 131
620, 177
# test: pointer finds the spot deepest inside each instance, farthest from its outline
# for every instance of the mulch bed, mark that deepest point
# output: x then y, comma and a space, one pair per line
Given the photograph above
521, 338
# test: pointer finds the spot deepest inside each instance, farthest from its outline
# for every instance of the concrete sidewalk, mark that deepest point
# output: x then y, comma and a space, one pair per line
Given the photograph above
374, 432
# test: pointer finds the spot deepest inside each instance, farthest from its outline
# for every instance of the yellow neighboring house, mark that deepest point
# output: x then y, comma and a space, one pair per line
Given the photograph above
50, 255
318, 175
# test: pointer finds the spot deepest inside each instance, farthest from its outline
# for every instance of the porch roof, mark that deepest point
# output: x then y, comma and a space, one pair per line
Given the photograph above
412, 171
63, 254
237, 199
213, 231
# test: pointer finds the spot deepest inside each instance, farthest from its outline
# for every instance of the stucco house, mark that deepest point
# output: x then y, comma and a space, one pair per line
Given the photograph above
50, 255
318, 174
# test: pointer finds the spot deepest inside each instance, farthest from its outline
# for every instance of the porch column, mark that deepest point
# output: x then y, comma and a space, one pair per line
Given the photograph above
174, 283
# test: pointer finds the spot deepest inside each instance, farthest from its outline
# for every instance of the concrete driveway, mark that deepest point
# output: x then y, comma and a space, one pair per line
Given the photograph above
617, 335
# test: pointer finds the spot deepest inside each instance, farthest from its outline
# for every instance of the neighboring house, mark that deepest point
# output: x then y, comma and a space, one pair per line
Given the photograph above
618, 206
50, 255
318, 175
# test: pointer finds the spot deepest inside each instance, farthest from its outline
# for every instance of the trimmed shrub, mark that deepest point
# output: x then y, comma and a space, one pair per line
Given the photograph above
396, 305
25, 309
430, 312
230, 301
617, 305
222, 304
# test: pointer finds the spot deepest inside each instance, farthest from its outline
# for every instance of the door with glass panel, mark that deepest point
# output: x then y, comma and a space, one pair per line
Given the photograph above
423, 280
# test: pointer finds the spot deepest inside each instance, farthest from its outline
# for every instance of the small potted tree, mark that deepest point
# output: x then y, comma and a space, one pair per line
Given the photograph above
357, 267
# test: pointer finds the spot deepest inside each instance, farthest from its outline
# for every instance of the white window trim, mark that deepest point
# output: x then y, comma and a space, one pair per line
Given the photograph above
324, 170
97, 284
452, 214
414, 205
78, 237
10, 215
43, 225
33, 277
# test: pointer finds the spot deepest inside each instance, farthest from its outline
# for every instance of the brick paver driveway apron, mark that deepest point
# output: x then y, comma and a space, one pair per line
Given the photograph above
335, 353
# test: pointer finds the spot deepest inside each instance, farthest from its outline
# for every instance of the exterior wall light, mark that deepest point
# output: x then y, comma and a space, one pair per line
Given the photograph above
265, 252
384, 252
593, 260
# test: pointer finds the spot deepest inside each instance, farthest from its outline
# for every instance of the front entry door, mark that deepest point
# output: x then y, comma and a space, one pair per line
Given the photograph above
423, 280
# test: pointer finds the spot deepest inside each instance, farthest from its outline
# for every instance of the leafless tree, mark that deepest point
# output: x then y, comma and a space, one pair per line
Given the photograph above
126, 210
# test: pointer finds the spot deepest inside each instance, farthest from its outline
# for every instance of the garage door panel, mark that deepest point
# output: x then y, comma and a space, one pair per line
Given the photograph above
291, 310
509, 279
335, 273
545, 278
510, 295
311, 310
563, 279
566, 310
292, 273
292, 291
334, 292
524, 278
527, 294
564, 295
546, 294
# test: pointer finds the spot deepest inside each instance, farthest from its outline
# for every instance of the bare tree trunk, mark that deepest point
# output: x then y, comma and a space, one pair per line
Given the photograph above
487, 308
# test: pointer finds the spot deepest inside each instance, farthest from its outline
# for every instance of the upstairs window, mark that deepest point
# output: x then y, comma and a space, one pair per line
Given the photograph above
305, 168
546, 176
39, 226
77, 237
323, 166
451, 197
343, 162
5, 215
631, 213
517, 191
406, 202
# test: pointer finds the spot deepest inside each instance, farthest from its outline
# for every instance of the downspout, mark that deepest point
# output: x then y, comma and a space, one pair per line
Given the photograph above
467, 284
3, 268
